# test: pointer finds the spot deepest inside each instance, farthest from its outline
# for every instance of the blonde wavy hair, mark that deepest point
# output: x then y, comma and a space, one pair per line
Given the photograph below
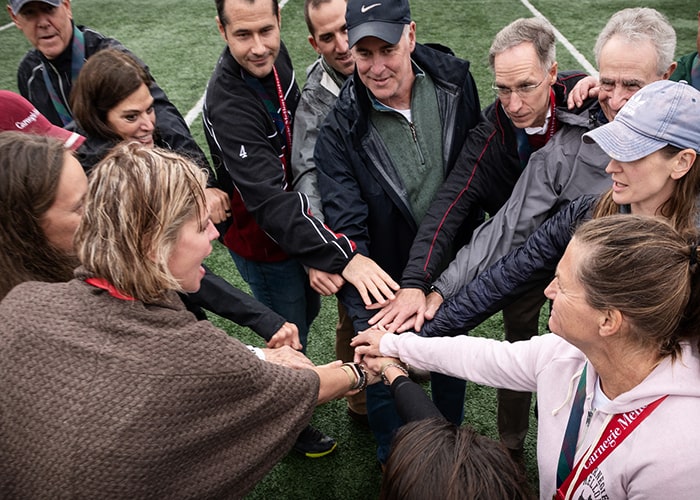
137, 202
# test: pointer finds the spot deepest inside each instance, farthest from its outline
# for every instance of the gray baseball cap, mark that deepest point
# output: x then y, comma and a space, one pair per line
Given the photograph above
659, 114
16, 5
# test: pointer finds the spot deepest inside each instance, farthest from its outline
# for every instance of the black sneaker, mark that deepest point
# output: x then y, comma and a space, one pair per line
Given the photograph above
313, 443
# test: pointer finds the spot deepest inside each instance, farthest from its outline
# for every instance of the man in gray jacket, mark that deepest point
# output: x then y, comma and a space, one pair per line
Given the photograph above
328, 35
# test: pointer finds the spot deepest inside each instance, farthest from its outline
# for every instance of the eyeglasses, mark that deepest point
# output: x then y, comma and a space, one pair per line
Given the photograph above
522, 91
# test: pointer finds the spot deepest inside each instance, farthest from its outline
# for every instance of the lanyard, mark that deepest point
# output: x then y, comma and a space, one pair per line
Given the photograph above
281, 119
568, 446
285, 116
106, 285
616, 431
77, 60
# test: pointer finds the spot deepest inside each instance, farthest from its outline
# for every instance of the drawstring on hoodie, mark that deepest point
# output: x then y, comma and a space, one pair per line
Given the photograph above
574, 378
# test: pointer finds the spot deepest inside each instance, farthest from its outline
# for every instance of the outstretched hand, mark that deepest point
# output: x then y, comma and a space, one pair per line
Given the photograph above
367, 343
369, 279
286, 356
404, 312
288, 334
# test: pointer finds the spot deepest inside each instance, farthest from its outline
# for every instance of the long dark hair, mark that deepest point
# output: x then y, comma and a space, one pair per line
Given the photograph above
106, 79
30, 167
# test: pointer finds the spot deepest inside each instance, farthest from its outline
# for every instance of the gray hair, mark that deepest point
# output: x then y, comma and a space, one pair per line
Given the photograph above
640, 24
539, 32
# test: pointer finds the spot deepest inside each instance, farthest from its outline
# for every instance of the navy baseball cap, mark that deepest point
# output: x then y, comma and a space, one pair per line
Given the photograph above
16, 5
384, 19
659, 114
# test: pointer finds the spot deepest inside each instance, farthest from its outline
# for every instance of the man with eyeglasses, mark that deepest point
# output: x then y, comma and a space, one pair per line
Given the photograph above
530, 107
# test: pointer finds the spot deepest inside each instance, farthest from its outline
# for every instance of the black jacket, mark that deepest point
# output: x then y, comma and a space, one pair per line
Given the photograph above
361, 190
270, 222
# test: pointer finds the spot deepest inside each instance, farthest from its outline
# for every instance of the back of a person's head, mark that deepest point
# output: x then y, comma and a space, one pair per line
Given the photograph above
138, 200
647, 269
641, 24
107, 78
433, 458
30, 167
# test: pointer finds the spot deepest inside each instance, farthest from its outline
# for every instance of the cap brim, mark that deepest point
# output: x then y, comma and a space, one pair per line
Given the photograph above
621, 143
70, 140
17, 6
389, 32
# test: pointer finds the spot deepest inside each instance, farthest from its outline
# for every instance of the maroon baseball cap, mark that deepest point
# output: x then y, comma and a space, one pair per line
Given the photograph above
19, 115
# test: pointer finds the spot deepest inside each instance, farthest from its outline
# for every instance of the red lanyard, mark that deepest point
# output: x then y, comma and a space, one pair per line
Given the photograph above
618, 428
285, 115
106, 285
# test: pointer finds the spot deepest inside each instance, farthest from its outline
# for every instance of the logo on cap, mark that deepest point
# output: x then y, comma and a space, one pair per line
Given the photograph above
364, 9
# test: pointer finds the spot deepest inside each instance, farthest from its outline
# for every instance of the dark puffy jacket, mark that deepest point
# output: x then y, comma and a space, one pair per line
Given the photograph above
521, 270
361, 189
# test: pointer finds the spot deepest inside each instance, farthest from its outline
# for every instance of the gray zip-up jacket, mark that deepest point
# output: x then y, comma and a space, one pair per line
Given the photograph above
564, 169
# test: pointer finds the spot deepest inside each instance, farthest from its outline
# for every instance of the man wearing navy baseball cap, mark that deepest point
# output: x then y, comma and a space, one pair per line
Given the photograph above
385, 20
386, 147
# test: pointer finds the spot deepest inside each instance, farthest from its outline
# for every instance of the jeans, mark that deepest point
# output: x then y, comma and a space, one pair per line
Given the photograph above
384, 420
283, 287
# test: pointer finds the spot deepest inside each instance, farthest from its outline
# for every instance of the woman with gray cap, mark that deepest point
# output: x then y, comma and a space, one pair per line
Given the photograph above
625, 313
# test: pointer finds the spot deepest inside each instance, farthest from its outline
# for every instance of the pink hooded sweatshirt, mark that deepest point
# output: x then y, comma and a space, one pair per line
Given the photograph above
660, 459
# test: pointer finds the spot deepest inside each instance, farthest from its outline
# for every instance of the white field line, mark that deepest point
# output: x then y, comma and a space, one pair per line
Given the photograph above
574, 52
9, 25
194, 112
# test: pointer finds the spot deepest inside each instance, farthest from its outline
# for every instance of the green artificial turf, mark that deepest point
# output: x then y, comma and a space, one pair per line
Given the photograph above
180, 43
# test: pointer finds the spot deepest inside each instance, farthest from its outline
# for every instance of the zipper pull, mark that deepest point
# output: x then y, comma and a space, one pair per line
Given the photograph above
413, 131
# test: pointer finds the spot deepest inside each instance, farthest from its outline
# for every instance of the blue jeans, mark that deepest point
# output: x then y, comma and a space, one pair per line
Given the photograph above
384, 420
284, 288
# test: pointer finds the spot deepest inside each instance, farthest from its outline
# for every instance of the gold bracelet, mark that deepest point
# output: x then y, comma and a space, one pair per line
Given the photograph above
350, 374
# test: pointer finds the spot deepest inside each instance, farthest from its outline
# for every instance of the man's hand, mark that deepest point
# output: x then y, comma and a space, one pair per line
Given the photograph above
433, 303
369, 279
584, 88
286, 356
406, 311
218, 204
325, 283
287, 335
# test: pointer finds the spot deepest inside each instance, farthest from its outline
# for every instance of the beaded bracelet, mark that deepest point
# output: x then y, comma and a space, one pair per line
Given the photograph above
395, 365
360, 376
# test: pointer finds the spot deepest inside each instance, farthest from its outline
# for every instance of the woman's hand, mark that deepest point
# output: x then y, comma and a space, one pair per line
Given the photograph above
377, 364
367, 343
288, 334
